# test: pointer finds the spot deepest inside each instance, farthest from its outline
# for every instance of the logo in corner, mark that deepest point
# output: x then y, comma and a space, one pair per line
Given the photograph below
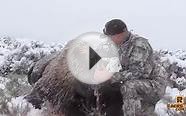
180, 104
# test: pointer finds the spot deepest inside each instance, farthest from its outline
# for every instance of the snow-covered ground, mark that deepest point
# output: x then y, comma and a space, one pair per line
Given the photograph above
178, 56
18, 55
21, 106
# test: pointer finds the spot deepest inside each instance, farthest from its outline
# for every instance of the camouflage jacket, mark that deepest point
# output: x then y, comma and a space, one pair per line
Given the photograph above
137, 60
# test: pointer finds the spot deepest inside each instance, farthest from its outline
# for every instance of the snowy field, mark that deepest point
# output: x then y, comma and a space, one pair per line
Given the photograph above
17, 55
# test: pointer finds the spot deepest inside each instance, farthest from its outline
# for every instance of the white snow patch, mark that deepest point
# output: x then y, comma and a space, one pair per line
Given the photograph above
178, 56
20, 104
3, 81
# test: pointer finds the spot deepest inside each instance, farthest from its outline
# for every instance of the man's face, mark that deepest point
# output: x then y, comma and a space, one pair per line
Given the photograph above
119, 38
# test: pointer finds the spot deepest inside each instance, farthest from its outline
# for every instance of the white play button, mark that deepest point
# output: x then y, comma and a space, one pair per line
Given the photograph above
93, 58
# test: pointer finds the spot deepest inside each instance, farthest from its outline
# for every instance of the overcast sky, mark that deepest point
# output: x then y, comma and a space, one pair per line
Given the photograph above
163, 22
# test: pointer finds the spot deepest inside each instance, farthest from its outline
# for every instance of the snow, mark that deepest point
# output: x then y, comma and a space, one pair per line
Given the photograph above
17, 53
3, 53
35, 112
2, 86
3, 81
19, 104
178, 56
169, 97
20, 54
181, 81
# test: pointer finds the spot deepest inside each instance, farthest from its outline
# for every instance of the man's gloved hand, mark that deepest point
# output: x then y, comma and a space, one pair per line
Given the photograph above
121, 77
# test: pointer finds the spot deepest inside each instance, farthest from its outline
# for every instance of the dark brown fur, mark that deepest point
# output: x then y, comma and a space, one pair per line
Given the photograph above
71, 97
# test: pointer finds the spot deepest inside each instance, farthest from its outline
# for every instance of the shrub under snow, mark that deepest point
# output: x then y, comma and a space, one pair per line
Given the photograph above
16, 56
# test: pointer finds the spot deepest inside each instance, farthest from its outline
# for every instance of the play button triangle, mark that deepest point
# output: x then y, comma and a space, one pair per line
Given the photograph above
93, 58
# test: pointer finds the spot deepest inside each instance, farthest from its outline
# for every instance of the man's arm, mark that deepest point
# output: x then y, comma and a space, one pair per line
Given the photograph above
143, 75
139, 63
150, 89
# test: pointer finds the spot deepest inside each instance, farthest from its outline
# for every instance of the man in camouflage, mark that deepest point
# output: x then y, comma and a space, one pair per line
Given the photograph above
143, 80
